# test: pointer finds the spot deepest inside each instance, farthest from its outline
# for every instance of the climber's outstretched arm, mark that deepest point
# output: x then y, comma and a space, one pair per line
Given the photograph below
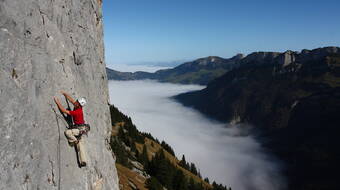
68, 97
61, 108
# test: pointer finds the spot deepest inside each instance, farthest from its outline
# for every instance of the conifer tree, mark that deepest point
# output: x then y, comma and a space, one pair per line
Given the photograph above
168, 148
121, 155
183, 162
206, 180
199, 174
179, 181
133, 147
193, 168
153, 184
143, 157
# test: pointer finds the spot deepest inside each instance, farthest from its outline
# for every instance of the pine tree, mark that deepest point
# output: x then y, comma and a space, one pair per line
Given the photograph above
133, 147
183, 162
168, 148
214, 184
179, 181
206, 180
193, 168
219, 186
153, 184
143, 157
161, 168
164, 169
121, 155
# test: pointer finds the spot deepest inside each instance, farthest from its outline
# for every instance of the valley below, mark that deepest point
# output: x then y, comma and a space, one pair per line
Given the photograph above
225, 153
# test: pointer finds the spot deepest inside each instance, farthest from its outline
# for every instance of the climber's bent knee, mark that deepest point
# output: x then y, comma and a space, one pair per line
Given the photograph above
68, 132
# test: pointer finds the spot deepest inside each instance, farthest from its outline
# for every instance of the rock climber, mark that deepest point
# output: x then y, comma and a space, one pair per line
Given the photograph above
74, 132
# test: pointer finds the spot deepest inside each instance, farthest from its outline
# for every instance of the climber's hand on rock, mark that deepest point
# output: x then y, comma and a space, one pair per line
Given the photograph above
62, 92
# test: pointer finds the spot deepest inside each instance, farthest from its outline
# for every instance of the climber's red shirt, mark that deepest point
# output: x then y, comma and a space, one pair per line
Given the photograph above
77, 116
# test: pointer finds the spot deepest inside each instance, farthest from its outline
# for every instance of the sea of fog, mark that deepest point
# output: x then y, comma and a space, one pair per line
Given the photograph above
134, 68
222, 152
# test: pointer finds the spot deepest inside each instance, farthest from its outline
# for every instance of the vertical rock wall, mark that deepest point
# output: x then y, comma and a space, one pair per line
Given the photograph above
47, 46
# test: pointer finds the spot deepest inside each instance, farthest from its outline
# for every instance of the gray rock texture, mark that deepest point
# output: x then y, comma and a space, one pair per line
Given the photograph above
47, 46
287, 58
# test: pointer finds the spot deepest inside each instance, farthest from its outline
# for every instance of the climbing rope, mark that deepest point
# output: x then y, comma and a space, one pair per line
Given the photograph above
59, 139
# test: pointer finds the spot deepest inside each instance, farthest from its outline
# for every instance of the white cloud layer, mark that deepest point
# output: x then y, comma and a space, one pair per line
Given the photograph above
134, 68
222, 153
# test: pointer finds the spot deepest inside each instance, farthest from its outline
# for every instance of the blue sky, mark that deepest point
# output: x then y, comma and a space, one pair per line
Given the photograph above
139, 31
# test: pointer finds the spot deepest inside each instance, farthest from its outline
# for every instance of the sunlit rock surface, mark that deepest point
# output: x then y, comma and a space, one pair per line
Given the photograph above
47, 46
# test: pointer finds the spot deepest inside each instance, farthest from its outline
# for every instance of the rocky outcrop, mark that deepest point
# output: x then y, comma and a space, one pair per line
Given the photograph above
267, 76
292, 99
47, 46
287, 58
260, 58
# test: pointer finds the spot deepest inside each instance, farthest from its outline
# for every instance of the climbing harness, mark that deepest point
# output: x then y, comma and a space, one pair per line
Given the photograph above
83, 128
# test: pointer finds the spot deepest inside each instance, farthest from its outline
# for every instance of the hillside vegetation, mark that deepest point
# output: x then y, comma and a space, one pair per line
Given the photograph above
145, 163
293, 100
200, 71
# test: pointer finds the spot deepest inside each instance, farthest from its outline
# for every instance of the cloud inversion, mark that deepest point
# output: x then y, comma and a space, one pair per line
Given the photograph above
222, 152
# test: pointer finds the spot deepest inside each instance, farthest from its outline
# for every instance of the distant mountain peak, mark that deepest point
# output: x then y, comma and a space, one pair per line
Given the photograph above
208, 59
205, 69
238, 56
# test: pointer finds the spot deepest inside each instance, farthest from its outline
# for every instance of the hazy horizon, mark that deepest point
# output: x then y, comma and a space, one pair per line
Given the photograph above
134, 68
170, 64
164, 31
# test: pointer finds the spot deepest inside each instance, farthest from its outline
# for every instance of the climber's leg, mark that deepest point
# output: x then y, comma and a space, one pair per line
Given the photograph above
71, 135
82, 152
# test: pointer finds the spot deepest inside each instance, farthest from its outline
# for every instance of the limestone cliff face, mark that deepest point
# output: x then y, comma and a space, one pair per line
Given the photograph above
47, 46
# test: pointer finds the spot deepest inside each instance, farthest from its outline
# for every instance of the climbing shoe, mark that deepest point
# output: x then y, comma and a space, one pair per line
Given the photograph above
73, 143
83, 164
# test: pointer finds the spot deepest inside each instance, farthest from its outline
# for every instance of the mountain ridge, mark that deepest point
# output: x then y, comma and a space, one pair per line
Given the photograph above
292, 99
199, 71
204, 70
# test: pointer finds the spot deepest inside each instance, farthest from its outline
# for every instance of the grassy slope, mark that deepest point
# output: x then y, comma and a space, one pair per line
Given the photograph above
125, 174
155, 148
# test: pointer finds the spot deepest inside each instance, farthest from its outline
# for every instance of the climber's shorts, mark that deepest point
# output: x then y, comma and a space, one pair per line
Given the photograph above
83, 128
